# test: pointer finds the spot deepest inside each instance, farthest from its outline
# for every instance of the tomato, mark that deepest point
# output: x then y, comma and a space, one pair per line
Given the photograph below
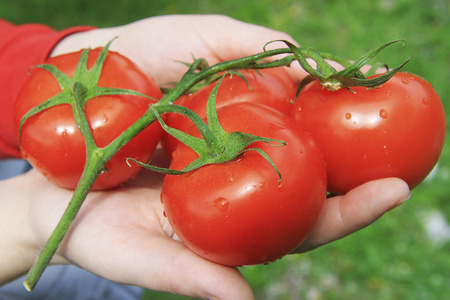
51, 140
272, 87
396, 130
239, 213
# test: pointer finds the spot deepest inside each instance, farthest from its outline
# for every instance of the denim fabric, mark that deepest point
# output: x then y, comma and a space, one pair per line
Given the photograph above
69, 283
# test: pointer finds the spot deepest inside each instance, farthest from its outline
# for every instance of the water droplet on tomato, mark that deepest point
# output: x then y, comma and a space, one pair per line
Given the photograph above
230, 179
386, 150
405, 81
281, 185
221, 204
365, 156
348, 116
300, 151
425, 101
384, 113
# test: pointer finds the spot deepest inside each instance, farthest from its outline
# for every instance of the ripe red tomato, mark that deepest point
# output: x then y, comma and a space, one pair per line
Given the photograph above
396, 130
239, 213
51, 140
272, 87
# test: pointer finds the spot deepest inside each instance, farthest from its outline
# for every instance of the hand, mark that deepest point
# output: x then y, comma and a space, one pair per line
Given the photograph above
122, 234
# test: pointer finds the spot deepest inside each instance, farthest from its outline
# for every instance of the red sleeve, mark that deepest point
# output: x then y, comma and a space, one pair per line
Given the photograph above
20, 48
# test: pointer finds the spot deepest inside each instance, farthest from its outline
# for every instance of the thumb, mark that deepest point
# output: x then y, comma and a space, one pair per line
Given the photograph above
343, 215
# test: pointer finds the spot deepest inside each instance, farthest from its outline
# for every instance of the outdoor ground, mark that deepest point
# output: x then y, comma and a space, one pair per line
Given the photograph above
404, 255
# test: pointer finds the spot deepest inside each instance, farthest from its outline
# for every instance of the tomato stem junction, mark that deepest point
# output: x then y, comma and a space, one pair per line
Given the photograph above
217, 146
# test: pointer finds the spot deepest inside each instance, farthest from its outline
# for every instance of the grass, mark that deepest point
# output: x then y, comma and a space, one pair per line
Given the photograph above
392, 259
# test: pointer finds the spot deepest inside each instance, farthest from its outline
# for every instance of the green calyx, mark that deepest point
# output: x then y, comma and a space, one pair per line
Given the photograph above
334, 80
77, 90
216, 145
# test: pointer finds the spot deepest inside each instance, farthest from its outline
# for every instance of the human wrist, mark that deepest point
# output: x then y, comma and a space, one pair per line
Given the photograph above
20, 243
17, 245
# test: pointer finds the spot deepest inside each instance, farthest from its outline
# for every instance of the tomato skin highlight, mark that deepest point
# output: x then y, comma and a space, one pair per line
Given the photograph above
238, 213
272, 87
396, 130
51, 141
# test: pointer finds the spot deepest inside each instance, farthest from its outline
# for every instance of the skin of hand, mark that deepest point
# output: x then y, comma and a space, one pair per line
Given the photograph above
158, 44
122, 234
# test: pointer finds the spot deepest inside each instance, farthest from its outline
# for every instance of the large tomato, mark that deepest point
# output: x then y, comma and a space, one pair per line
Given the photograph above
239, 213
51, 140
395, 130
272, 87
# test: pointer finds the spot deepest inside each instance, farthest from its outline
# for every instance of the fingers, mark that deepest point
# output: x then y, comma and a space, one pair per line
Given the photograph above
156, 44
238, 39
216, 38
343, 215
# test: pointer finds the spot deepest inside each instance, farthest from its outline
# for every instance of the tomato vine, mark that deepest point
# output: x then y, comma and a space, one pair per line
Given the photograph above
78, 90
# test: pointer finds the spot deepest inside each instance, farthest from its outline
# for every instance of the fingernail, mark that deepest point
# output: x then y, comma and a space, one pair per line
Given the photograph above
211, 298
401, 201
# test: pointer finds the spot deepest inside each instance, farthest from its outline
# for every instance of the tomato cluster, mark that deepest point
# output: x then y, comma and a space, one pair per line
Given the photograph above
242, 212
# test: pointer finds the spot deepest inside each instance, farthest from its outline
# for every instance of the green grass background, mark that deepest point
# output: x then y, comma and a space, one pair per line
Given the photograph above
392, 259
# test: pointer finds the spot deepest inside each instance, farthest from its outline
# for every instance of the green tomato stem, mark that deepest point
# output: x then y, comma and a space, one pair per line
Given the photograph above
93, 168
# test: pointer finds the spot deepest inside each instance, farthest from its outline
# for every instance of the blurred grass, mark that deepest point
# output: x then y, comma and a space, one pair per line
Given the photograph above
392, 259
